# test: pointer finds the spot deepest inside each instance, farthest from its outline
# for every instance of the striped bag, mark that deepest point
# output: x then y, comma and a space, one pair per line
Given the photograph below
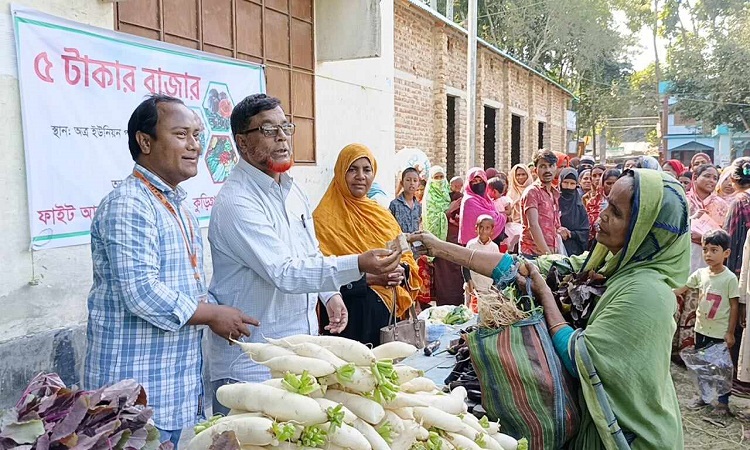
524, 385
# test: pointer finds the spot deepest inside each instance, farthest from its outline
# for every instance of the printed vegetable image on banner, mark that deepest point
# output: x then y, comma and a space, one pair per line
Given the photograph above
80, 84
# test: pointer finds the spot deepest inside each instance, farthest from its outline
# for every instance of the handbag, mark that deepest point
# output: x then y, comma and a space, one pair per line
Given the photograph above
411, 330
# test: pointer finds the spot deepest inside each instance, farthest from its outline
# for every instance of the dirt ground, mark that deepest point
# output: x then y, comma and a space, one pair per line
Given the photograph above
700, 434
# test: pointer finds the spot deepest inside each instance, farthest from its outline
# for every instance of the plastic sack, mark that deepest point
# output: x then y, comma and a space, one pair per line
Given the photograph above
712, 367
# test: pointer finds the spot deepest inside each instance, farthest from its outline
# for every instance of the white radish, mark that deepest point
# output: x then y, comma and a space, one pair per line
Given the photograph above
397, 424
260, 352
278, 384
460, 393
505, 441
373, 437
235, 412
492, 427
310, 350
364, 408
297, 364
248, 430
420, 384
489, 443
349, 417
348, 437
394, 350
346, 349
404, 400
434, 418
404, 413
288, 446
452, 404
277, 403
275, 382
406, 438
473, 422
362, 381
462, 441
445, 445
423, 434
407, 373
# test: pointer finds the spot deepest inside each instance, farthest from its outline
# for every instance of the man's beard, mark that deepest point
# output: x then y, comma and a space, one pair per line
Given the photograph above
279, 166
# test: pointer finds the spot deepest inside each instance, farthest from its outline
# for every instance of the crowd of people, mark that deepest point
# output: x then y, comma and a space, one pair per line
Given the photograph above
284, 268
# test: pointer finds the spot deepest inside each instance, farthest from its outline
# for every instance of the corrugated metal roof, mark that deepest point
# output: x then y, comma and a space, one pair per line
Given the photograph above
489, 46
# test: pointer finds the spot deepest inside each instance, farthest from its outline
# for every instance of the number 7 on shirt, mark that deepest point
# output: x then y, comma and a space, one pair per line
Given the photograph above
716, 300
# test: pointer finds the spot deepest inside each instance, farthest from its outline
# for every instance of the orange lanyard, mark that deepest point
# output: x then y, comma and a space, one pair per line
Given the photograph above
189, 244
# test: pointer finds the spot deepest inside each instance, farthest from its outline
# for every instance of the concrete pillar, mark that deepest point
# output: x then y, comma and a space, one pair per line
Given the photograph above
482, 72
549, 128
531, 126
505, 116
439, 96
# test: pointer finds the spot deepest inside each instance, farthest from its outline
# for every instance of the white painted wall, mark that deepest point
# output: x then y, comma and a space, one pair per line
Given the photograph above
47, 289
354, 103
39, 290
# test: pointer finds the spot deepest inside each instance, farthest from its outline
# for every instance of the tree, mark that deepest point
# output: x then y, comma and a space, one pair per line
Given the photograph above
707, 65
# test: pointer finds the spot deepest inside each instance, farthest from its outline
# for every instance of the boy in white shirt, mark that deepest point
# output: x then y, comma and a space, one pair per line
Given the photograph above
718, 310
476, 283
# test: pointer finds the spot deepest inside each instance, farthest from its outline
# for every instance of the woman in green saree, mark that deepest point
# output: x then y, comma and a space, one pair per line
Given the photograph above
622, 358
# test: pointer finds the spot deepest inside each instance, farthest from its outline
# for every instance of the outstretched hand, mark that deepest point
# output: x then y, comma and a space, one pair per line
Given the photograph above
338, 315
379, 261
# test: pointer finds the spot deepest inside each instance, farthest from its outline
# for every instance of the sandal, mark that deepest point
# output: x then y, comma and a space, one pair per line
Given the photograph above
697, 403
721, 410
718, 422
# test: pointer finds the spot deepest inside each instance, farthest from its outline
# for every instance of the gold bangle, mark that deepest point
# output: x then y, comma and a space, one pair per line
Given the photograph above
557, 325
471, 257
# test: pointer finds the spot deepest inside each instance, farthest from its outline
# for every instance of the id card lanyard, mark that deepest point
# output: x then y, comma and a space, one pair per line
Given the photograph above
189, 242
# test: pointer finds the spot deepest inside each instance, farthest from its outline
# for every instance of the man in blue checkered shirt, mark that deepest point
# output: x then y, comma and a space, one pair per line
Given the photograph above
149, 297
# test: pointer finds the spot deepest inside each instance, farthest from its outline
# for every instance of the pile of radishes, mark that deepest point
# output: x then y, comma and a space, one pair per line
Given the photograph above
331, 392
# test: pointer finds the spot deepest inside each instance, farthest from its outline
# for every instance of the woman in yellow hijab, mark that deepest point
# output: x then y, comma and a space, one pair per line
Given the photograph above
347, 222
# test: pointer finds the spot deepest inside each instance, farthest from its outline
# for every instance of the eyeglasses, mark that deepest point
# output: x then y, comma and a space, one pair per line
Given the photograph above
273, 130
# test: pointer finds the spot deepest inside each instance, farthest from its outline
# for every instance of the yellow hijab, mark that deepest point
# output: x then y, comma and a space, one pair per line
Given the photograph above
348, 225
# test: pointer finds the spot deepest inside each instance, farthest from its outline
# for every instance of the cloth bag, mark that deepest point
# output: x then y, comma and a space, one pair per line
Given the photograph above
524, 384
411, 330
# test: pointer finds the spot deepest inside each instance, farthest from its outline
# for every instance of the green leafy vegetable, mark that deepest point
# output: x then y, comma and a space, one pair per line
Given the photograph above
207, 424
386, 380
304, 384
386, 432
335, 417
283, 431
434, 442
346, 373
460, 314
484, 422
313, 436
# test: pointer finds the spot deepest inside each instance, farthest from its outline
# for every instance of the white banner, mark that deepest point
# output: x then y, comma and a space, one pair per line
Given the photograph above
79, 86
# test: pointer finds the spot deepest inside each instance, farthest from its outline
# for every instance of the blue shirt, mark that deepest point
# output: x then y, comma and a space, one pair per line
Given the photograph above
407, 217
267, 263
143, 295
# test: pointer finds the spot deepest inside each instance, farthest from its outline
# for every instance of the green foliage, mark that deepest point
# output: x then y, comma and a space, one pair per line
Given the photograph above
707, 65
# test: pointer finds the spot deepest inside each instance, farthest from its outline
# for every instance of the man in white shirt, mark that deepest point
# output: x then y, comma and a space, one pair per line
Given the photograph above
265, 253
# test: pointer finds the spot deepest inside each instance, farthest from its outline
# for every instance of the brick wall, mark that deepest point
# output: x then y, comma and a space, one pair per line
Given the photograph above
430, 63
